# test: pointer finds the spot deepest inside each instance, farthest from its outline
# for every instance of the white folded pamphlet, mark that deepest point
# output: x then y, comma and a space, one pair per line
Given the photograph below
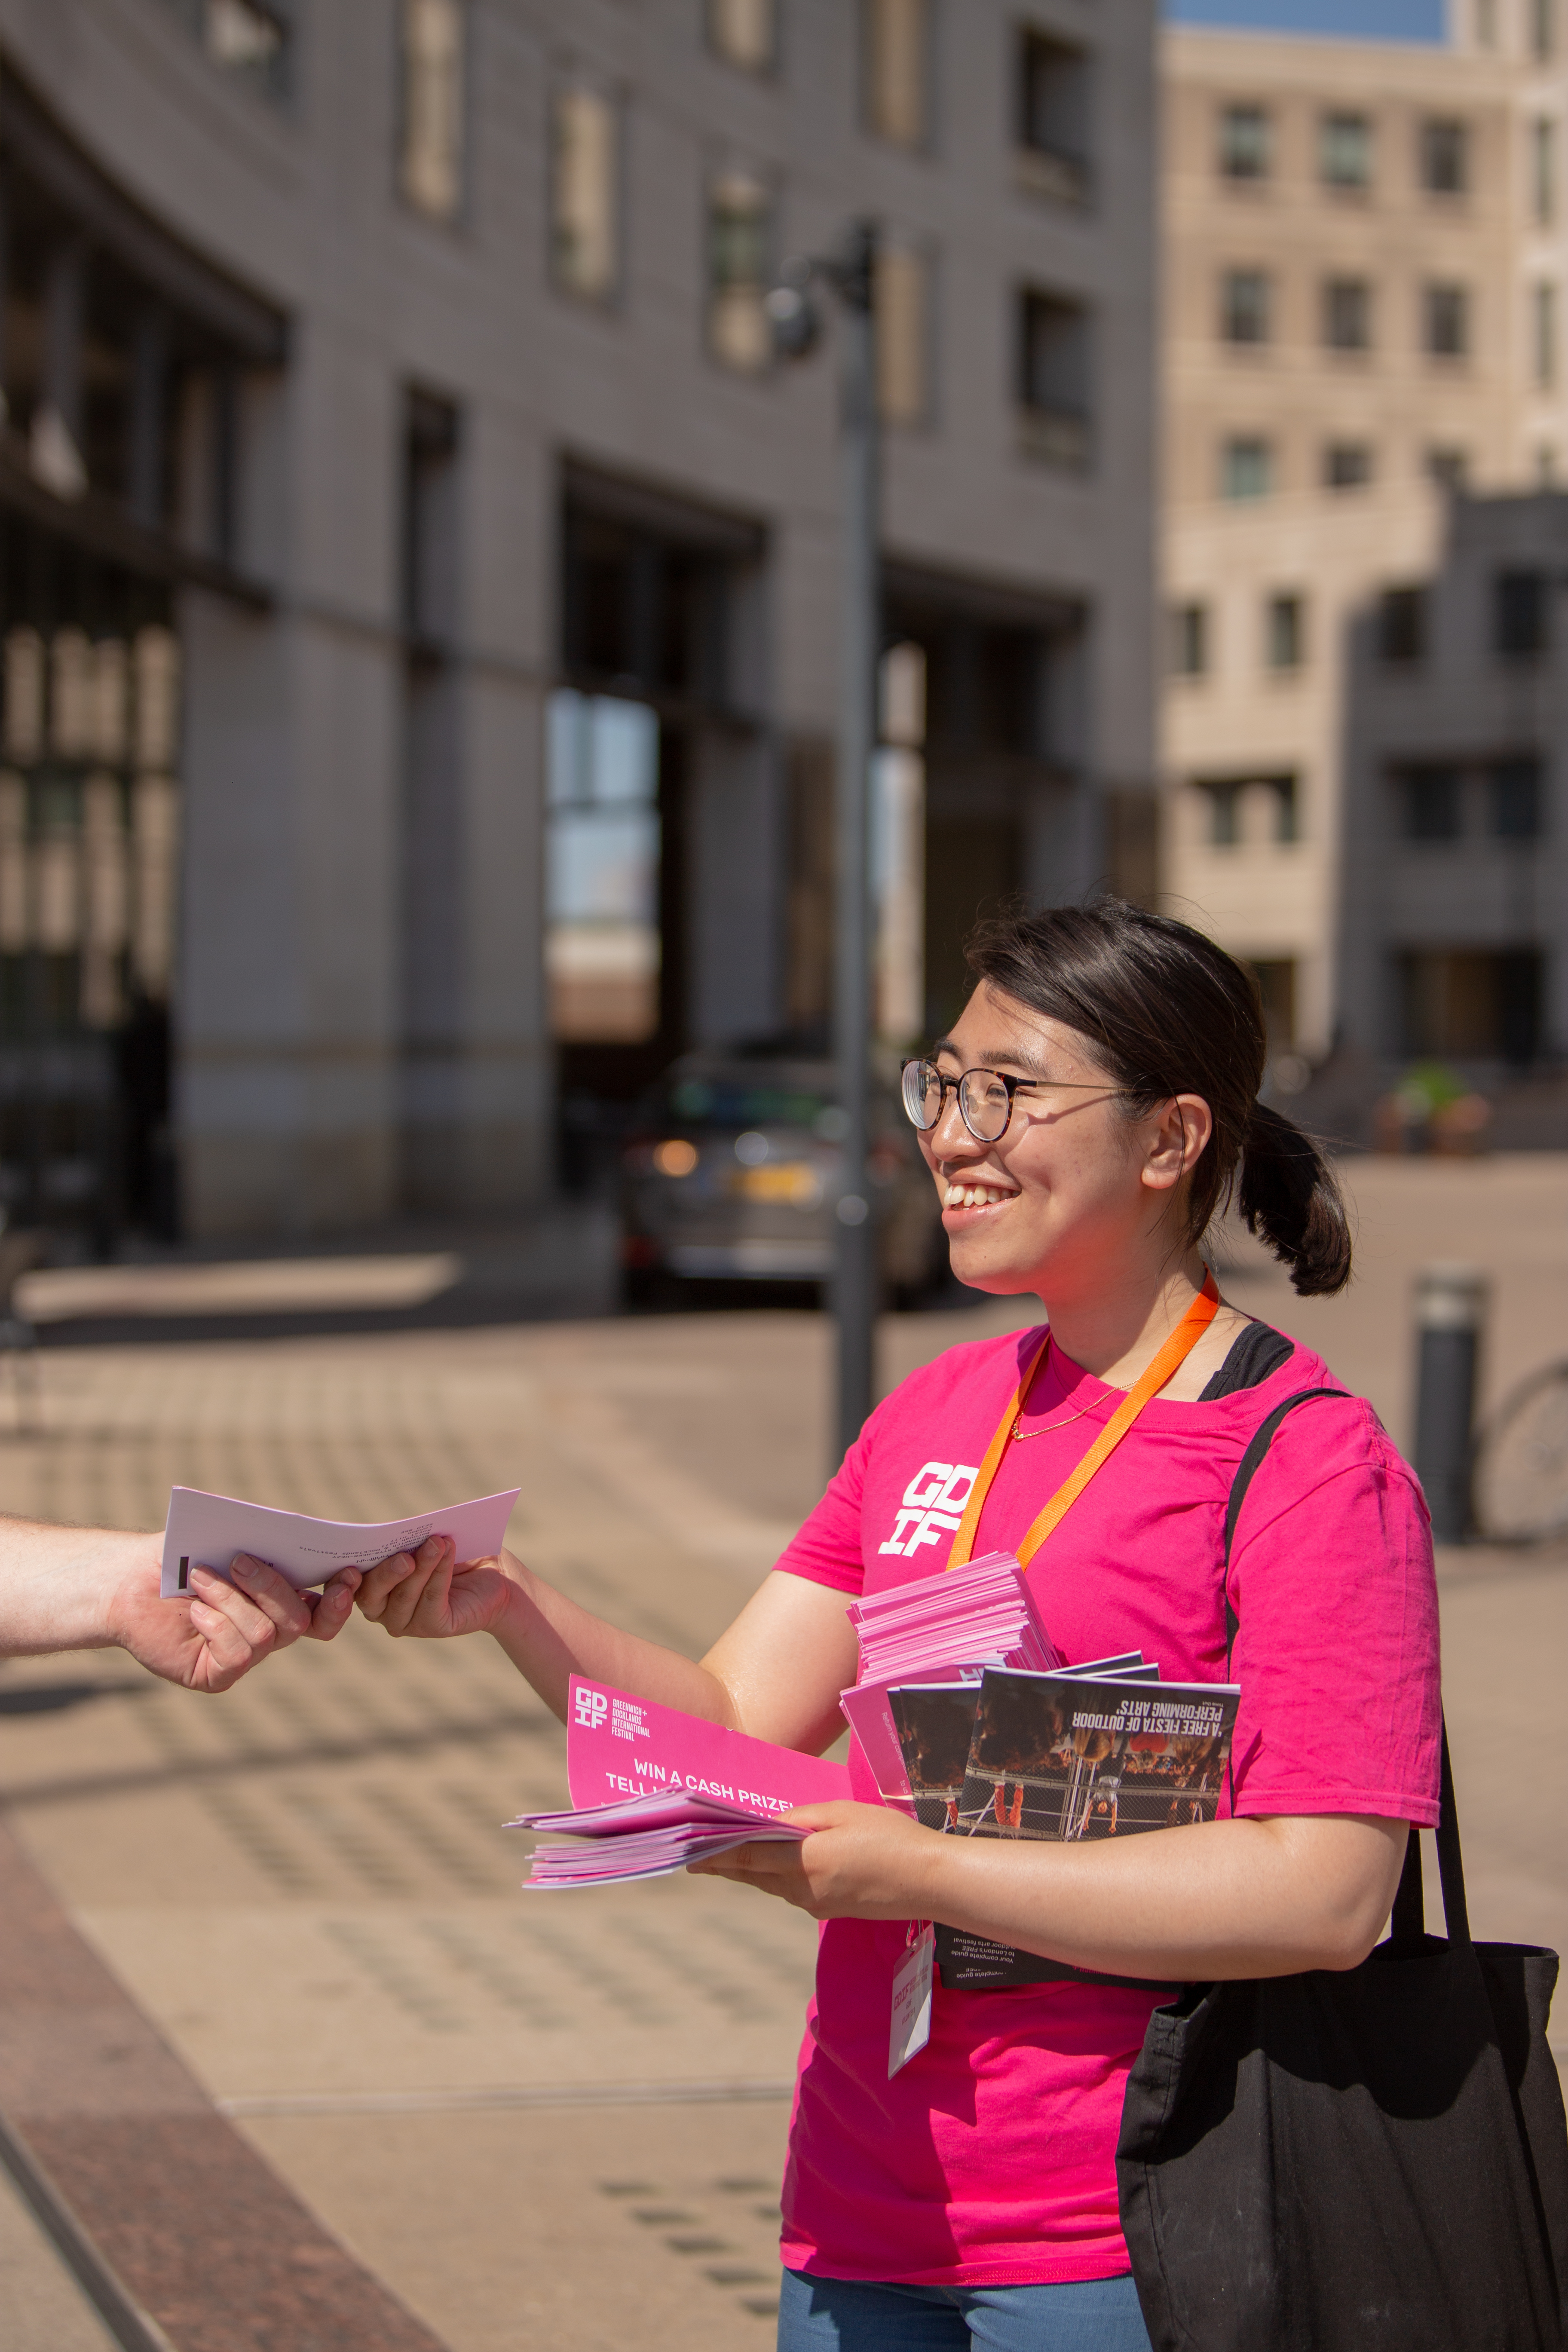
207, 1531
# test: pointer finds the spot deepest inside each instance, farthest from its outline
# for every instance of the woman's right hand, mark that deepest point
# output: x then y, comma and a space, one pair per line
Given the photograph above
427, 1594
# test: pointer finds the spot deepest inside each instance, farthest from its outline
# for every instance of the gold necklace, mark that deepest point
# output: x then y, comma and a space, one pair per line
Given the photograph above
1020, 1433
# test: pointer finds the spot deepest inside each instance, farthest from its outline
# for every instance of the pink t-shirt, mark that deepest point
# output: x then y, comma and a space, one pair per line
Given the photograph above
989, 2160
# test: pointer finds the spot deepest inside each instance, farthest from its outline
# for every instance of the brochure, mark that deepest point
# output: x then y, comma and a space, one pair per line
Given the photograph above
1093, 1751
941, 1628
653, 1789
207, 1531
642, 1837
619, 1745
1079, 1756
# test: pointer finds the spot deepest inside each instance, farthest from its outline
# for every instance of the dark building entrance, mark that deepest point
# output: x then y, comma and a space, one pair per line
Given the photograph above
89, 864
651, 708
1003, 758
123, 365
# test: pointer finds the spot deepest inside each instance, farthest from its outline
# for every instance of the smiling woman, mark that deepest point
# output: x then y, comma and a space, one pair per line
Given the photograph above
1093, 1106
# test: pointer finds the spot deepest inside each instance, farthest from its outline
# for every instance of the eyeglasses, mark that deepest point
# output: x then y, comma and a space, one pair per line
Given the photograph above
984, 1097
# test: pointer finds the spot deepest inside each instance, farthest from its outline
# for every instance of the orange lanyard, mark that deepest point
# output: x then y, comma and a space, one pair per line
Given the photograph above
1176, 1351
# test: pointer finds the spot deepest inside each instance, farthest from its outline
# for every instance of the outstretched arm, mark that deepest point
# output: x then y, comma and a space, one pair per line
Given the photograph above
776, 1673
96, 1589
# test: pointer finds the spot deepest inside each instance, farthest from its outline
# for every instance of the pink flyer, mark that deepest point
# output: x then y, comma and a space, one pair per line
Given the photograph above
617, 1746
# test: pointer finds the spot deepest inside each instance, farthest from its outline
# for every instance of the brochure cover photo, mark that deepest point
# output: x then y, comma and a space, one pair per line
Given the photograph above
935, 1723
1057, 1756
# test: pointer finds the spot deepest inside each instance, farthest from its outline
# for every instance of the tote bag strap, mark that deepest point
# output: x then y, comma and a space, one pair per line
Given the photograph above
1408, 1924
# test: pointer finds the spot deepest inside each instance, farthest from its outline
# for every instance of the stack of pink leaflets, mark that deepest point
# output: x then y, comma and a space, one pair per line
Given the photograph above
944, 1628
643, 1837
653, 1789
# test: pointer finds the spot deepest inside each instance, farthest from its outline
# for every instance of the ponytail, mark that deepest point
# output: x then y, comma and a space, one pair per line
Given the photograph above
1165, 1011
1288, 1194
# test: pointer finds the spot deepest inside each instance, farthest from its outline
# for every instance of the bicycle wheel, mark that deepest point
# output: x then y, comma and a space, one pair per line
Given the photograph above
1522, 1462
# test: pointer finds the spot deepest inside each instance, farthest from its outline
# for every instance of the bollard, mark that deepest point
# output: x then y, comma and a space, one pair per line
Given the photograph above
1450, 1308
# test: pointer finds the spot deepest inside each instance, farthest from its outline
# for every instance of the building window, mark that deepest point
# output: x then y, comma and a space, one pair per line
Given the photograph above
1245, 142
740, 238
1245, 466
903, 334
1445, 157
895, 40
1402, 625
1472, 1006
430, 598
1228, 798
1225, 815
1190, 640
602, 861
1543, 334
1347, 314
1519, 614
744, 33
1543, 170
1055, 362
1285, 631
1054, 126
1347, 466
249, 38
585, 193
1275, 978
1448, 469
1543, 29
431, 169
1448, 321
1244, 306
1514, 798
1434, 804
1344, 151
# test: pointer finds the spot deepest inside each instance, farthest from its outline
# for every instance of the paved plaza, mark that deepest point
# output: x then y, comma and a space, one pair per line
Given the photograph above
561, 2120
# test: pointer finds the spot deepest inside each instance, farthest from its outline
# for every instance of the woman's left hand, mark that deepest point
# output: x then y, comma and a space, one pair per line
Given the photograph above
860, 1862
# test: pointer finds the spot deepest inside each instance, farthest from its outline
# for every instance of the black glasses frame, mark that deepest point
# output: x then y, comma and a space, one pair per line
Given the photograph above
958, 1083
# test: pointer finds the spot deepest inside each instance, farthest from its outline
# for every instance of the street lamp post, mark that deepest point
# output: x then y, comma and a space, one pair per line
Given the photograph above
851, 274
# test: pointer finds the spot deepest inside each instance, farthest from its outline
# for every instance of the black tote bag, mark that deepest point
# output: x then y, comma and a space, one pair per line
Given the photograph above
1367, 2160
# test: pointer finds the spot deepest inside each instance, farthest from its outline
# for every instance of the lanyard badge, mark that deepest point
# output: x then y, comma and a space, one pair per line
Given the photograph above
909, 2026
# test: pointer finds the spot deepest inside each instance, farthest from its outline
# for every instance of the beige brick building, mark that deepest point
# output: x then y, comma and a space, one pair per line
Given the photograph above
1363, 313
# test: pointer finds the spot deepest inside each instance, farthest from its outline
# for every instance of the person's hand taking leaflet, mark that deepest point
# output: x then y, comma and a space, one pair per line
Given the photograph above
1259, 1898
96, 1589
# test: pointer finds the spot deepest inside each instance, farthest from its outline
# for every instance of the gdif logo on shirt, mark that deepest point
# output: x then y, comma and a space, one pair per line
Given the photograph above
932, 1506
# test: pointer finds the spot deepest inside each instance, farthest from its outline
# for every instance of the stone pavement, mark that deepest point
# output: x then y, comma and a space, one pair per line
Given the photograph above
543, 2119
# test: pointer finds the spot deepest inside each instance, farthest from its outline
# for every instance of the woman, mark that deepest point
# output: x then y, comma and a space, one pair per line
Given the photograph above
1083, 1121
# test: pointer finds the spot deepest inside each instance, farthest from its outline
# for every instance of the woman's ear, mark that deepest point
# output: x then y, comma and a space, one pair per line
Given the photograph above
1176, 1133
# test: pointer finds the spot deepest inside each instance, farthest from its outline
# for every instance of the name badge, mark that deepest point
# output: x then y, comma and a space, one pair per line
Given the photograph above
910, 2027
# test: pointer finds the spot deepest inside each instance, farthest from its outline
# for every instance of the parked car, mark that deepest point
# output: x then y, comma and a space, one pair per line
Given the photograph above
736, 1172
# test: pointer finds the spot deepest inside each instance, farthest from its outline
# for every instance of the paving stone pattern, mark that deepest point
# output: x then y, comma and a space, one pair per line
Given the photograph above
306, 1884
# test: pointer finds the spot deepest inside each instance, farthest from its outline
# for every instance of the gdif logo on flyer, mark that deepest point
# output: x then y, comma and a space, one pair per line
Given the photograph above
593, 1707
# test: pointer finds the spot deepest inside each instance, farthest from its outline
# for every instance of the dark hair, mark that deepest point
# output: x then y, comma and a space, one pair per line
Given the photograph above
1166, 1012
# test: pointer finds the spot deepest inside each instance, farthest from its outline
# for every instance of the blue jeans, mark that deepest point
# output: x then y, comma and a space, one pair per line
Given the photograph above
818, 2314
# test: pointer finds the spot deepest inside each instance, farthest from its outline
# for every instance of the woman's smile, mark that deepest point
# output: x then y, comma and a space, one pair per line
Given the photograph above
969, 1196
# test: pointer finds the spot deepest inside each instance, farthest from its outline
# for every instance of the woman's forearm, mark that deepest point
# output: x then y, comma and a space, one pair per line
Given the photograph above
549, 1638
1220, 1899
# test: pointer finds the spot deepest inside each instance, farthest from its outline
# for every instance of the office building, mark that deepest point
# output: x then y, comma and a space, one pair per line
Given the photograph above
1454, 927
420, 577
1364, 316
